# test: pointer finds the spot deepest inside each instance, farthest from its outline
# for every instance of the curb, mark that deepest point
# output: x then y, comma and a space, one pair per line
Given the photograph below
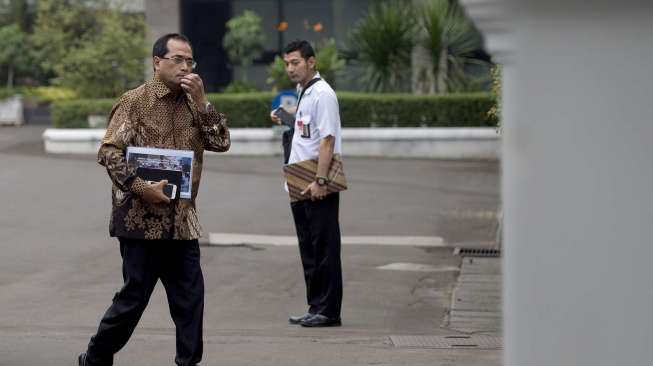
233, 239
428, 143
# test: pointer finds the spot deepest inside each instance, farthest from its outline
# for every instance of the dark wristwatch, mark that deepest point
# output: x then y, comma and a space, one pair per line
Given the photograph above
321, 181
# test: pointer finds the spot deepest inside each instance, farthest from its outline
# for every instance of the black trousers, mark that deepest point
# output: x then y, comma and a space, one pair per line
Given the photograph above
177, 264
318, 233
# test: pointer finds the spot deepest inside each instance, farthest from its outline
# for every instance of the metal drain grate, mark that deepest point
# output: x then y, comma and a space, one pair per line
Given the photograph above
448, 342
466, 252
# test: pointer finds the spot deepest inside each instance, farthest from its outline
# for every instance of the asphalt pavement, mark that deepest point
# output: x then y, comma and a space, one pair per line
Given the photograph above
59, 269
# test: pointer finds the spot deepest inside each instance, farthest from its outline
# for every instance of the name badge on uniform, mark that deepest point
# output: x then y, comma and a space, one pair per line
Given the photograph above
304, 126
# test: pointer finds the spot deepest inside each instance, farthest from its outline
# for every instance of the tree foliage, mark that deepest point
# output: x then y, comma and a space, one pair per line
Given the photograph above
90, 46
108, 63
244, 38
277, 76
17, 12
495, 111
62, 26
15, 55
327, 61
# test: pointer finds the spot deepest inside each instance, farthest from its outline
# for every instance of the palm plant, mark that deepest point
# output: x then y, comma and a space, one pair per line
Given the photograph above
451, 40
384, 41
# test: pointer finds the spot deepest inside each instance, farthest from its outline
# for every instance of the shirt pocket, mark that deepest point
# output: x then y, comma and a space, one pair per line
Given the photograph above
303, 125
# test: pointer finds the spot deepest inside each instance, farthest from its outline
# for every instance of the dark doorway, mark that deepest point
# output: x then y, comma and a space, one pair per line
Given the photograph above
203, 22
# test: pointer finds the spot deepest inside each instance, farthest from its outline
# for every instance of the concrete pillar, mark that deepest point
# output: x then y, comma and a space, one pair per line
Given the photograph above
161, 16
577, 178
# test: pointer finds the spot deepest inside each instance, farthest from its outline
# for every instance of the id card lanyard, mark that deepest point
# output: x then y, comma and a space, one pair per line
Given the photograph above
308, 85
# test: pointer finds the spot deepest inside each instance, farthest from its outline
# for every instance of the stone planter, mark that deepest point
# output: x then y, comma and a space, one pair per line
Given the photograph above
11, 111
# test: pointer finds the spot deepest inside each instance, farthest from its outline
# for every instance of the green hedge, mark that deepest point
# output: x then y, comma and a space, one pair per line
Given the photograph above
356, 110
74, 113
39, 94
7, 93
246, 109
406, 110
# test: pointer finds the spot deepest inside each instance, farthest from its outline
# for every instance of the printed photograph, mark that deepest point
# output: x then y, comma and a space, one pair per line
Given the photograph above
165, 159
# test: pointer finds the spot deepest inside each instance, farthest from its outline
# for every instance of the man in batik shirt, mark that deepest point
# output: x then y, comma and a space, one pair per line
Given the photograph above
158, 237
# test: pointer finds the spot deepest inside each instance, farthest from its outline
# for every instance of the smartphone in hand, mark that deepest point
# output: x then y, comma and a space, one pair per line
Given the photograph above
285, 117
170, 190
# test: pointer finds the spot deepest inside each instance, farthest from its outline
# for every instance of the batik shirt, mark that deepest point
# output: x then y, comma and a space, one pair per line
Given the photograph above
153, 116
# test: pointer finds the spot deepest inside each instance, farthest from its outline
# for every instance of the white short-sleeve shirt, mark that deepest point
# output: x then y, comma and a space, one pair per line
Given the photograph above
318, 116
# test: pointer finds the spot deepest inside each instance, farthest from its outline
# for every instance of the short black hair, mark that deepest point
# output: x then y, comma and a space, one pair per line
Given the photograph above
304, 48
160, 47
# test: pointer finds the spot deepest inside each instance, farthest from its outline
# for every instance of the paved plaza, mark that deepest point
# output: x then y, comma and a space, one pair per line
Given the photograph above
60, 269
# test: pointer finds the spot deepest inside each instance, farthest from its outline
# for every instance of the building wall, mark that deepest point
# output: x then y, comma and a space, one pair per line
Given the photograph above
132, 6
337, 18
577, 178
161, 17
206, 30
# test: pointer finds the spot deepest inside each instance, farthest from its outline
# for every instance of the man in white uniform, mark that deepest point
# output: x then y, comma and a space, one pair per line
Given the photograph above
316, 136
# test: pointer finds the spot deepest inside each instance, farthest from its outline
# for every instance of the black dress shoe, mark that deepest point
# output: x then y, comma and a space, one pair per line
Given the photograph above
319, 320
299, 319
82, 359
